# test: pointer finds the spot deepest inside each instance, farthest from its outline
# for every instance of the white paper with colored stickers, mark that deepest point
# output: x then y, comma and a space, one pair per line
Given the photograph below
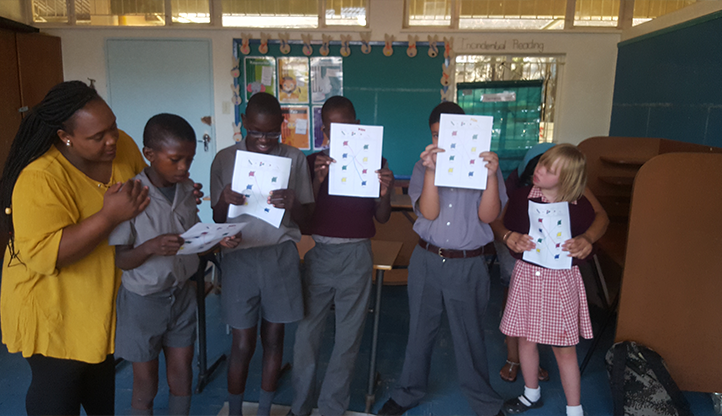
255, 175
463, 138
549, 226
357, 152
202, 237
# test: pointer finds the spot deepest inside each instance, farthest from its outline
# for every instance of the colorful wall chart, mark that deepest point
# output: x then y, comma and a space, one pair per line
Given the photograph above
326, 78
293, 80
295, 127
255, 175
357, 152
463, 137
549, 227
260, 74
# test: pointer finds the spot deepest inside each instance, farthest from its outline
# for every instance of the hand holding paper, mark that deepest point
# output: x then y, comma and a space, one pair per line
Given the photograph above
357, 150
202, 237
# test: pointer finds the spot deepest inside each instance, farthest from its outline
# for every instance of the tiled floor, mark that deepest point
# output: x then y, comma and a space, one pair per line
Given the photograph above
444, 396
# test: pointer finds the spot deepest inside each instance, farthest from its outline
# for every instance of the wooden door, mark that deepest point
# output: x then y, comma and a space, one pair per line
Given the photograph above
40, 62
9, 116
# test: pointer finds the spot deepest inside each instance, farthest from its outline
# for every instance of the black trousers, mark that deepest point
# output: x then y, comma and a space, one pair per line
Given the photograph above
60, 387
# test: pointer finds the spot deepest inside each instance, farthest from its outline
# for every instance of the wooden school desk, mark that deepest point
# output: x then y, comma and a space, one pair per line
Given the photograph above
385, 253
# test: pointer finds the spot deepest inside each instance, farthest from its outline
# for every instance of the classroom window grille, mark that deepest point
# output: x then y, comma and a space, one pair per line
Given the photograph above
512, 14
190, 11
50, 11
520, 120
120, 12
271, 13
646, 10
428, 12
345, 12
601, 13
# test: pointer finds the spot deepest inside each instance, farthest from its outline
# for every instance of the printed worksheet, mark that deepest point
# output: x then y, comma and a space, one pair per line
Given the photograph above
549, 227
463, 137
255, 175
357, 152
202, 237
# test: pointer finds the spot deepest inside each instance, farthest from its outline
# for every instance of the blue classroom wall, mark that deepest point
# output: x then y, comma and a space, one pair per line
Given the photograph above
396, 92
668, 84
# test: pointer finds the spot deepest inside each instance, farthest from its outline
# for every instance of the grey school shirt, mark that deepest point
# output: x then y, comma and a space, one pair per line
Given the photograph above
256, 232
458, 226
159, 273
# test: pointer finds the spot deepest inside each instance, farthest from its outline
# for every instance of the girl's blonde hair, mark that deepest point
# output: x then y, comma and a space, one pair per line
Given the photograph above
572, 168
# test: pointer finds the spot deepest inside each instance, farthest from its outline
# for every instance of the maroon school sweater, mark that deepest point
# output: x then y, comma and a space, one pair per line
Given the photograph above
341, 216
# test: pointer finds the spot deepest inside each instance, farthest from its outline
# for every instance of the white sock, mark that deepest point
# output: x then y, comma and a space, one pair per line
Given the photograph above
575, 410
532, 394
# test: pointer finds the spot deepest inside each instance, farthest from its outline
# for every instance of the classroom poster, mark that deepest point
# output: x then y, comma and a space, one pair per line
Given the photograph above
549, 226
293, 80
295, 127
202, 237
255, 175
319, 141
463, 137
326, 78
357, 152
260, 74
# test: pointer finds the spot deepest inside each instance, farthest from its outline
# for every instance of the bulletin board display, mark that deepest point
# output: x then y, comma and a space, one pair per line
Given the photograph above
397, 92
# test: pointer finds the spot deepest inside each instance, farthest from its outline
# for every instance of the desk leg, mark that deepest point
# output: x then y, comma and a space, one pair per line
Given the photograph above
204, 373
371, 393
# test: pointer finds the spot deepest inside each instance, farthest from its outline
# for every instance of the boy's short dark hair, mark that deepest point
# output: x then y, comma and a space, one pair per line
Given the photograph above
338, 103
263, 103
164, 126
447, 107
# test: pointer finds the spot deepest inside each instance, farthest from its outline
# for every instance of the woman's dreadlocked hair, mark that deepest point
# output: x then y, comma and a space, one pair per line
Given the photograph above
38, 131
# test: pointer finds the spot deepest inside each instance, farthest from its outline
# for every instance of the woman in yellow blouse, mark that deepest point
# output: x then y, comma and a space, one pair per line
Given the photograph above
64, 189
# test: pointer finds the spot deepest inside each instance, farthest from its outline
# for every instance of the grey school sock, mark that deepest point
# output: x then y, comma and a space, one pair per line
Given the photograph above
140, 412
235, 404
179, 405
264, 403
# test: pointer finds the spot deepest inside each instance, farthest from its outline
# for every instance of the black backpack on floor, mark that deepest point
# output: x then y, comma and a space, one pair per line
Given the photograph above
641, 384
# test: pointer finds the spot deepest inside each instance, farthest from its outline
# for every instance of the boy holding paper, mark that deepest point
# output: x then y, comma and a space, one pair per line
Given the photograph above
156, 307
338, 271
261, 278
447, 271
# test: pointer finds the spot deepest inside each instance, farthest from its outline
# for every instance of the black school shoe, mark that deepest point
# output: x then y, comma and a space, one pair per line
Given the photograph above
515, 406
391, 408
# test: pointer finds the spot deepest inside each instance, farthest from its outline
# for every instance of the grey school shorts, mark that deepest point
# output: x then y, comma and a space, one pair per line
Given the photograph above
262, 282
148, 323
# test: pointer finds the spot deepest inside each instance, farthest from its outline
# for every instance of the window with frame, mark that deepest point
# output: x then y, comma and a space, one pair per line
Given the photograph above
531, 14
234, 13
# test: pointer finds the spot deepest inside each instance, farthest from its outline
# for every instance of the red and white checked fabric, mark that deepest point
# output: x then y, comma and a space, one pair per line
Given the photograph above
546, 306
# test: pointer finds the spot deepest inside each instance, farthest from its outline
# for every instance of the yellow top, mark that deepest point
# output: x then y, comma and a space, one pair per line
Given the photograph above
66, 313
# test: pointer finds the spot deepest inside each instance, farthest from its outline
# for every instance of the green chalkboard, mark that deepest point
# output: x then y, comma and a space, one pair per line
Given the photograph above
396, 92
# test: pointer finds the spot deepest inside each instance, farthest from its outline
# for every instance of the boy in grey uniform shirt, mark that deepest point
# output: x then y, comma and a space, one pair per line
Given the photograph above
447, 271
156, 307
261, 279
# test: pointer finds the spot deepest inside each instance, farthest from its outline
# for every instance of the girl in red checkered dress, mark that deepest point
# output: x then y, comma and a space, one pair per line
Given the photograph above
548, 306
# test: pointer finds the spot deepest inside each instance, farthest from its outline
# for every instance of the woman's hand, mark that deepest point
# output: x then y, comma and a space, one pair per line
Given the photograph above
232, 241
320, 166
428, 156
282, 198
123, 201
520, 243
578, 247
164, 245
